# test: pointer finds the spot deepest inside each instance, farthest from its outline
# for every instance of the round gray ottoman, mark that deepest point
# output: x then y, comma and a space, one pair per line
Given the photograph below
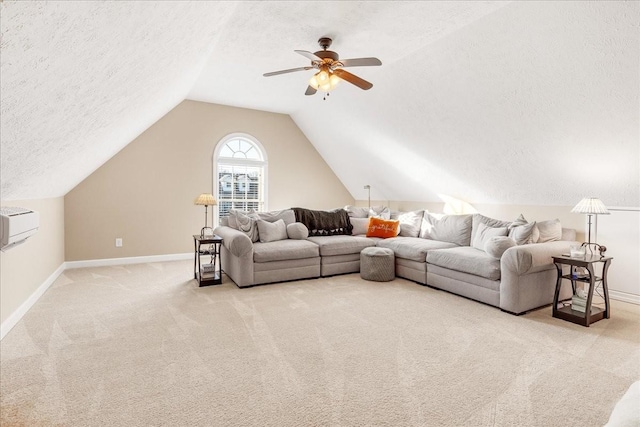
377, 264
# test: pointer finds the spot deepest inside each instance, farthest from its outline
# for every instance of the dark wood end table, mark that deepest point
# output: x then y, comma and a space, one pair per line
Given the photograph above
591, 314
207, 274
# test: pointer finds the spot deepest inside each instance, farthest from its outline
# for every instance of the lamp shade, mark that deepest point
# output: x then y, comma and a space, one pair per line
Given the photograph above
590, 205
205, 199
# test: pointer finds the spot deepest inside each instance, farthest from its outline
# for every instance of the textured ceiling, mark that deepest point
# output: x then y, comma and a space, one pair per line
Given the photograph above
80, 80
490, 102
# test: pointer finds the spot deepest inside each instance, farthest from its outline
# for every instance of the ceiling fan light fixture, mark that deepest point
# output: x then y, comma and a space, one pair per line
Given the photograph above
324, 80
334, 80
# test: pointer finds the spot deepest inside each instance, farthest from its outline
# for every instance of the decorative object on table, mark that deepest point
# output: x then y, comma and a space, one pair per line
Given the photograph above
368, 188
206, 200
577, 251
592, 206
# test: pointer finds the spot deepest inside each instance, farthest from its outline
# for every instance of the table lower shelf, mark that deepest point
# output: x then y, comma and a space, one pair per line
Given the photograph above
207, 278
580, 318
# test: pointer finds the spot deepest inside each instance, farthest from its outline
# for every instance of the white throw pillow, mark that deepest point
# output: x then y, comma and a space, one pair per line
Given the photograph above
491, 222
521, 220
272, 231
355, 212
297, 231
524, 234
409, 222
497, 245
484, 233
360, 225
245, 222
550, 231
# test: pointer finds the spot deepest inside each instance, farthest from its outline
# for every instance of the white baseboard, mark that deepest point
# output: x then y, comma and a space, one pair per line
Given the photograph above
15, 317
624, 296
129, 260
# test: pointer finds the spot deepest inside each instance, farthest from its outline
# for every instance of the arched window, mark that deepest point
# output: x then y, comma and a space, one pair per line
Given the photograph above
239, 174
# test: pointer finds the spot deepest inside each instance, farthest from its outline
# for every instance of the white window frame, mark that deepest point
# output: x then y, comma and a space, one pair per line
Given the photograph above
240, 162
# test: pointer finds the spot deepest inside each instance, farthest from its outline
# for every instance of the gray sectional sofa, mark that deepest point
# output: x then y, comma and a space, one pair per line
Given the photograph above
456, 253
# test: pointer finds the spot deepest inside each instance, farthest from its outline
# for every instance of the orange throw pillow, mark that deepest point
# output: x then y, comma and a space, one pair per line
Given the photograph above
383, 228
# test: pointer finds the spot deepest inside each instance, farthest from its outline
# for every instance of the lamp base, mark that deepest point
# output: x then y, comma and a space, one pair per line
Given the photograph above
206, 231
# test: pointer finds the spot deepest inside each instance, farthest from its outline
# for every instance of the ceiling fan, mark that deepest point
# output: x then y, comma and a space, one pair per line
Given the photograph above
331, 69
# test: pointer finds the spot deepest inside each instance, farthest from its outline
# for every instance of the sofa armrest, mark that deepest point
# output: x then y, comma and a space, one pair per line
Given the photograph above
526, 259
235, 241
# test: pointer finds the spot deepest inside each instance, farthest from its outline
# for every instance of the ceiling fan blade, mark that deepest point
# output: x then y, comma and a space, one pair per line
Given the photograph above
353, 79
290, 70
311, 56
360, 62
310, 91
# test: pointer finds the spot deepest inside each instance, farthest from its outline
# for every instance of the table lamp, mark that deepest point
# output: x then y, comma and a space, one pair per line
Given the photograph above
591, 206
207, 200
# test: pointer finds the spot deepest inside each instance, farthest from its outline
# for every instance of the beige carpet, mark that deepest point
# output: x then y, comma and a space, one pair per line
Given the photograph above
143, 345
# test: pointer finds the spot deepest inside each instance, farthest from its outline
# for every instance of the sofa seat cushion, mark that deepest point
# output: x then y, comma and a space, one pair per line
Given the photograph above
341, 245
283, 250
467, 260
413, 248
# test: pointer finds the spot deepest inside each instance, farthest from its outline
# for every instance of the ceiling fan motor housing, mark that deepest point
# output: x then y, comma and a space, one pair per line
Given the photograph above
325, 43
327, 54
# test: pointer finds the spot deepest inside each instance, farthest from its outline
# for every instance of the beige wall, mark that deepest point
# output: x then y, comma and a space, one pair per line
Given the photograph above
27, 266
145, 193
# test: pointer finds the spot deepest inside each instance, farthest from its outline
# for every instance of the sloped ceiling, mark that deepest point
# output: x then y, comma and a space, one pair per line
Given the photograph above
490, 102
80, 80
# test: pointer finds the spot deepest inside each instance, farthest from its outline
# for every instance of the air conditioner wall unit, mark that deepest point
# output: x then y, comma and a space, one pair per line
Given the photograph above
16, 225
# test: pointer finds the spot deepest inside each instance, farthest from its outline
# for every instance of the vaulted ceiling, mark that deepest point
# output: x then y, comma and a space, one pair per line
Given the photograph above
491, 102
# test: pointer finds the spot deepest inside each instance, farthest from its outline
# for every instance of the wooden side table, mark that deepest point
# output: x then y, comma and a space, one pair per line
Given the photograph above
211, 273
591, 314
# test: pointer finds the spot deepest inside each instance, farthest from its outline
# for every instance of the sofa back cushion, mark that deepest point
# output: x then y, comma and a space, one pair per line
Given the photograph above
374, 211
357, 212
447, 228
550, 231
286, 215
409, 222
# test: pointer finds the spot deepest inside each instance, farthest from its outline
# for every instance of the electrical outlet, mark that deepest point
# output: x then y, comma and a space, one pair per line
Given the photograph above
119, 242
